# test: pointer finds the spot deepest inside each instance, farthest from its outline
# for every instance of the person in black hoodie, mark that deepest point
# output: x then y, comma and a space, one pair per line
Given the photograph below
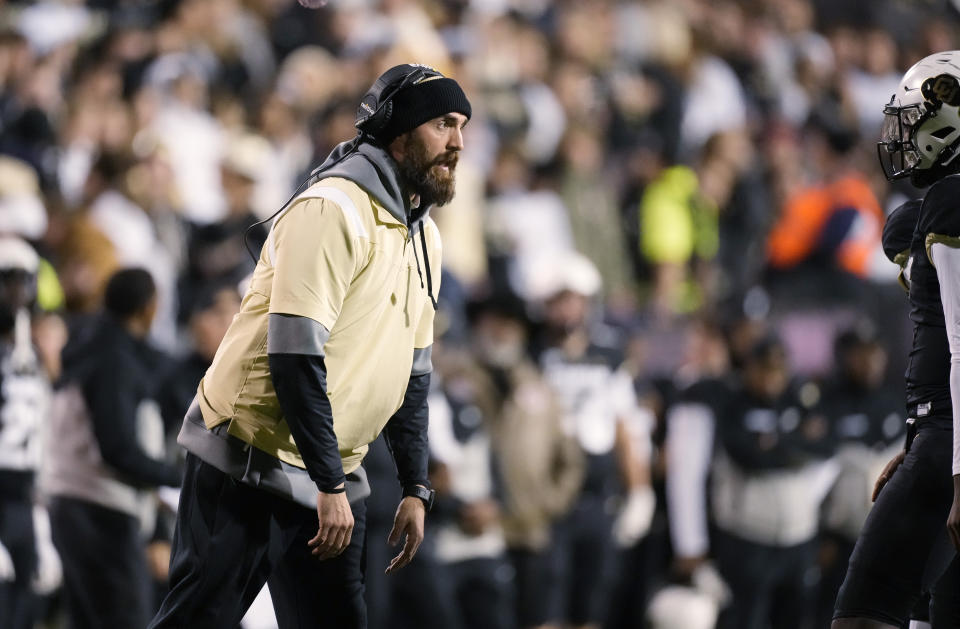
105, 458
868, 426
770, 476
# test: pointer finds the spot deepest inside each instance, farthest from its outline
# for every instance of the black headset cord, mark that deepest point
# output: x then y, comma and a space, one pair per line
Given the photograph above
426, 263
312, 178
246, 233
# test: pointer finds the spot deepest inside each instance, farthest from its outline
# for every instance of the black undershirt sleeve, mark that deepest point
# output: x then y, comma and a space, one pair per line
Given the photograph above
406, 433
301, 384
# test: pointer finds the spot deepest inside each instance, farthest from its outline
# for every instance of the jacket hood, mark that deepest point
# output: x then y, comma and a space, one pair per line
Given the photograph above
371, 168
100, 338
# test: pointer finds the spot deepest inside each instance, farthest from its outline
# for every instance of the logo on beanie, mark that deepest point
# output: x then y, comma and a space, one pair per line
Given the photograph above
427, 79
436, 74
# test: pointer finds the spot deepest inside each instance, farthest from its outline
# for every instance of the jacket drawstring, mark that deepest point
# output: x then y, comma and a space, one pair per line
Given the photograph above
426, 263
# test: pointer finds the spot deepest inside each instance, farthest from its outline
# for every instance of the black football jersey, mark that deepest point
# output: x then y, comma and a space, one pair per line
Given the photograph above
928, 368
898, 231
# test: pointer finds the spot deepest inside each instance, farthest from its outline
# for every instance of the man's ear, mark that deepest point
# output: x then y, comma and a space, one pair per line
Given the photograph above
396, 147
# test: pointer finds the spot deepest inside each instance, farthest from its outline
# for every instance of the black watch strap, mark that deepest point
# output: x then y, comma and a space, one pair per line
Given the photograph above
421, 492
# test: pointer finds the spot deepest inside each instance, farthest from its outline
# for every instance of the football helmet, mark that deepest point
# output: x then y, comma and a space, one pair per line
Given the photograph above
921, 123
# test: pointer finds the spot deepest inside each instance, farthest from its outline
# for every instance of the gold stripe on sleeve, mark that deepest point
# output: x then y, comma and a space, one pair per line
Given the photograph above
932, 239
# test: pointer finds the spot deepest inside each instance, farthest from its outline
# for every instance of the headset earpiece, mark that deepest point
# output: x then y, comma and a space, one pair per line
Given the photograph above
376, 108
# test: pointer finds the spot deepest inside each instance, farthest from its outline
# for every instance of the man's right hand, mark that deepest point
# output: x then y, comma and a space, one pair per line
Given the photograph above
887, 473
335, 526
953, 521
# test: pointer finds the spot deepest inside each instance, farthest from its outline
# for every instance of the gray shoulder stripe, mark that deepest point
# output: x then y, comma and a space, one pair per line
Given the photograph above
422, 361
290, 334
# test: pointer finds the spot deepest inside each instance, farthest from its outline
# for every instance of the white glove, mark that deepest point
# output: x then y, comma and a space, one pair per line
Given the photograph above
49, 573
707, 580
635, 517
7, 572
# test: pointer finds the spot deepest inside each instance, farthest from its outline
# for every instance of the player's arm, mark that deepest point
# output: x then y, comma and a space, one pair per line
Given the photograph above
944, 254
315, 254
632, 449
940, 223
689, 445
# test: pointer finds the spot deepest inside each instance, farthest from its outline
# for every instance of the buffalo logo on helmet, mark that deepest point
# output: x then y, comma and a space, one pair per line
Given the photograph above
941, 89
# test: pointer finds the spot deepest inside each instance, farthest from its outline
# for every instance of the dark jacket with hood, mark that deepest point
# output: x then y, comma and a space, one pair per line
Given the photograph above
106, 433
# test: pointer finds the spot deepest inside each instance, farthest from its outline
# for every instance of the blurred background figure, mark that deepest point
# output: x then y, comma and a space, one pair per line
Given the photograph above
771, 474
703, 383
582, 362
538, 464
867, 426
24, 403
470, 544
107, 457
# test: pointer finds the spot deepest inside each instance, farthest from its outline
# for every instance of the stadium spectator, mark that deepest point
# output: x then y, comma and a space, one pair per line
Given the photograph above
867, 424
469, 541
770, 476
581, 361
539, 466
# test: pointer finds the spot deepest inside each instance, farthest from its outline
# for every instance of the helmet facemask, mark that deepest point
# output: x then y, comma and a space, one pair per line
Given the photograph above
897, 153
922, 135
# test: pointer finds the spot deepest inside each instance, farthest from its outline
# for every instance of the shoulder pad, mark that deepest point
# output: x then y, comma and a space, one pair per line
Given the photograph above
898, 229
941, 208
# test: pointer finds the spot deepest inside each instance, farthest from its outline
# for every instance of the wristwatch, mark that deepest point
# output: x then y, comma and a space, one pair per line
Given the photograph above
421, 492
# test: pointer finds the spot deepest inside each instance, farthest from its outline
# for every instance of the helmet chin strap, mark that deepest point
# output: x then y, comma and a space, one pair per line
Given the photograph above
948, 154
929, 176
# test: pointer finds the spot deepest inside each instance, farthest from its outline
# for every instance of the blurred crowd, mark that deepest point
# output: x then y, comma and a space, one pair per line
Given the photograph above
669, 351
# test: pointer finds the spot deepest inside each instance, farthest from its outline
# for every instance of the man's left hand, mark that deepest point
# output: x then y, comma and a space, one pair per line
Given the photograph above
953, 521
408, 522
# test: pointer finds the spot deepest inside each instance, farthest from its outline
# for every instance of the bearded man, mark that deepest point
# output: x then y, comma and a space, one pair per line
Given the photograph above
331, 347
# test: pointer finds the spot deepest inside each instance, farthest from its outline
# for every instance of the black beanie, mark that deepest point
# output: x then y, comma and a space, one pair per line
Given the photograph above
423, 101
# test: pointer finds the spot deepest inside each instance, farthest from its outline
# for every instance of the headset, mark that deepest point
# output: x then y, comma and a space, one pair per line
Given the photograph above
373, 116
376, 107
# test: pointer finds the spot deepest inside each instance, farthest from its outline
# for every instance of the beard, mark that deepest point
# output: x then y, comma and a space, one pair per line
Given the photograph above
425, 176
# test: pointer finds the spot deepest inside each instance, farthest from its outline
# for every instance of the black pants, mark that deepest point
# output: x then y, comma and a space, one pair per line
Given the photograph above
771, 586
585, 561
16, 533
903, 547
231, 538
105, 576
535, 582
945, 598
835, 551
479, 592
